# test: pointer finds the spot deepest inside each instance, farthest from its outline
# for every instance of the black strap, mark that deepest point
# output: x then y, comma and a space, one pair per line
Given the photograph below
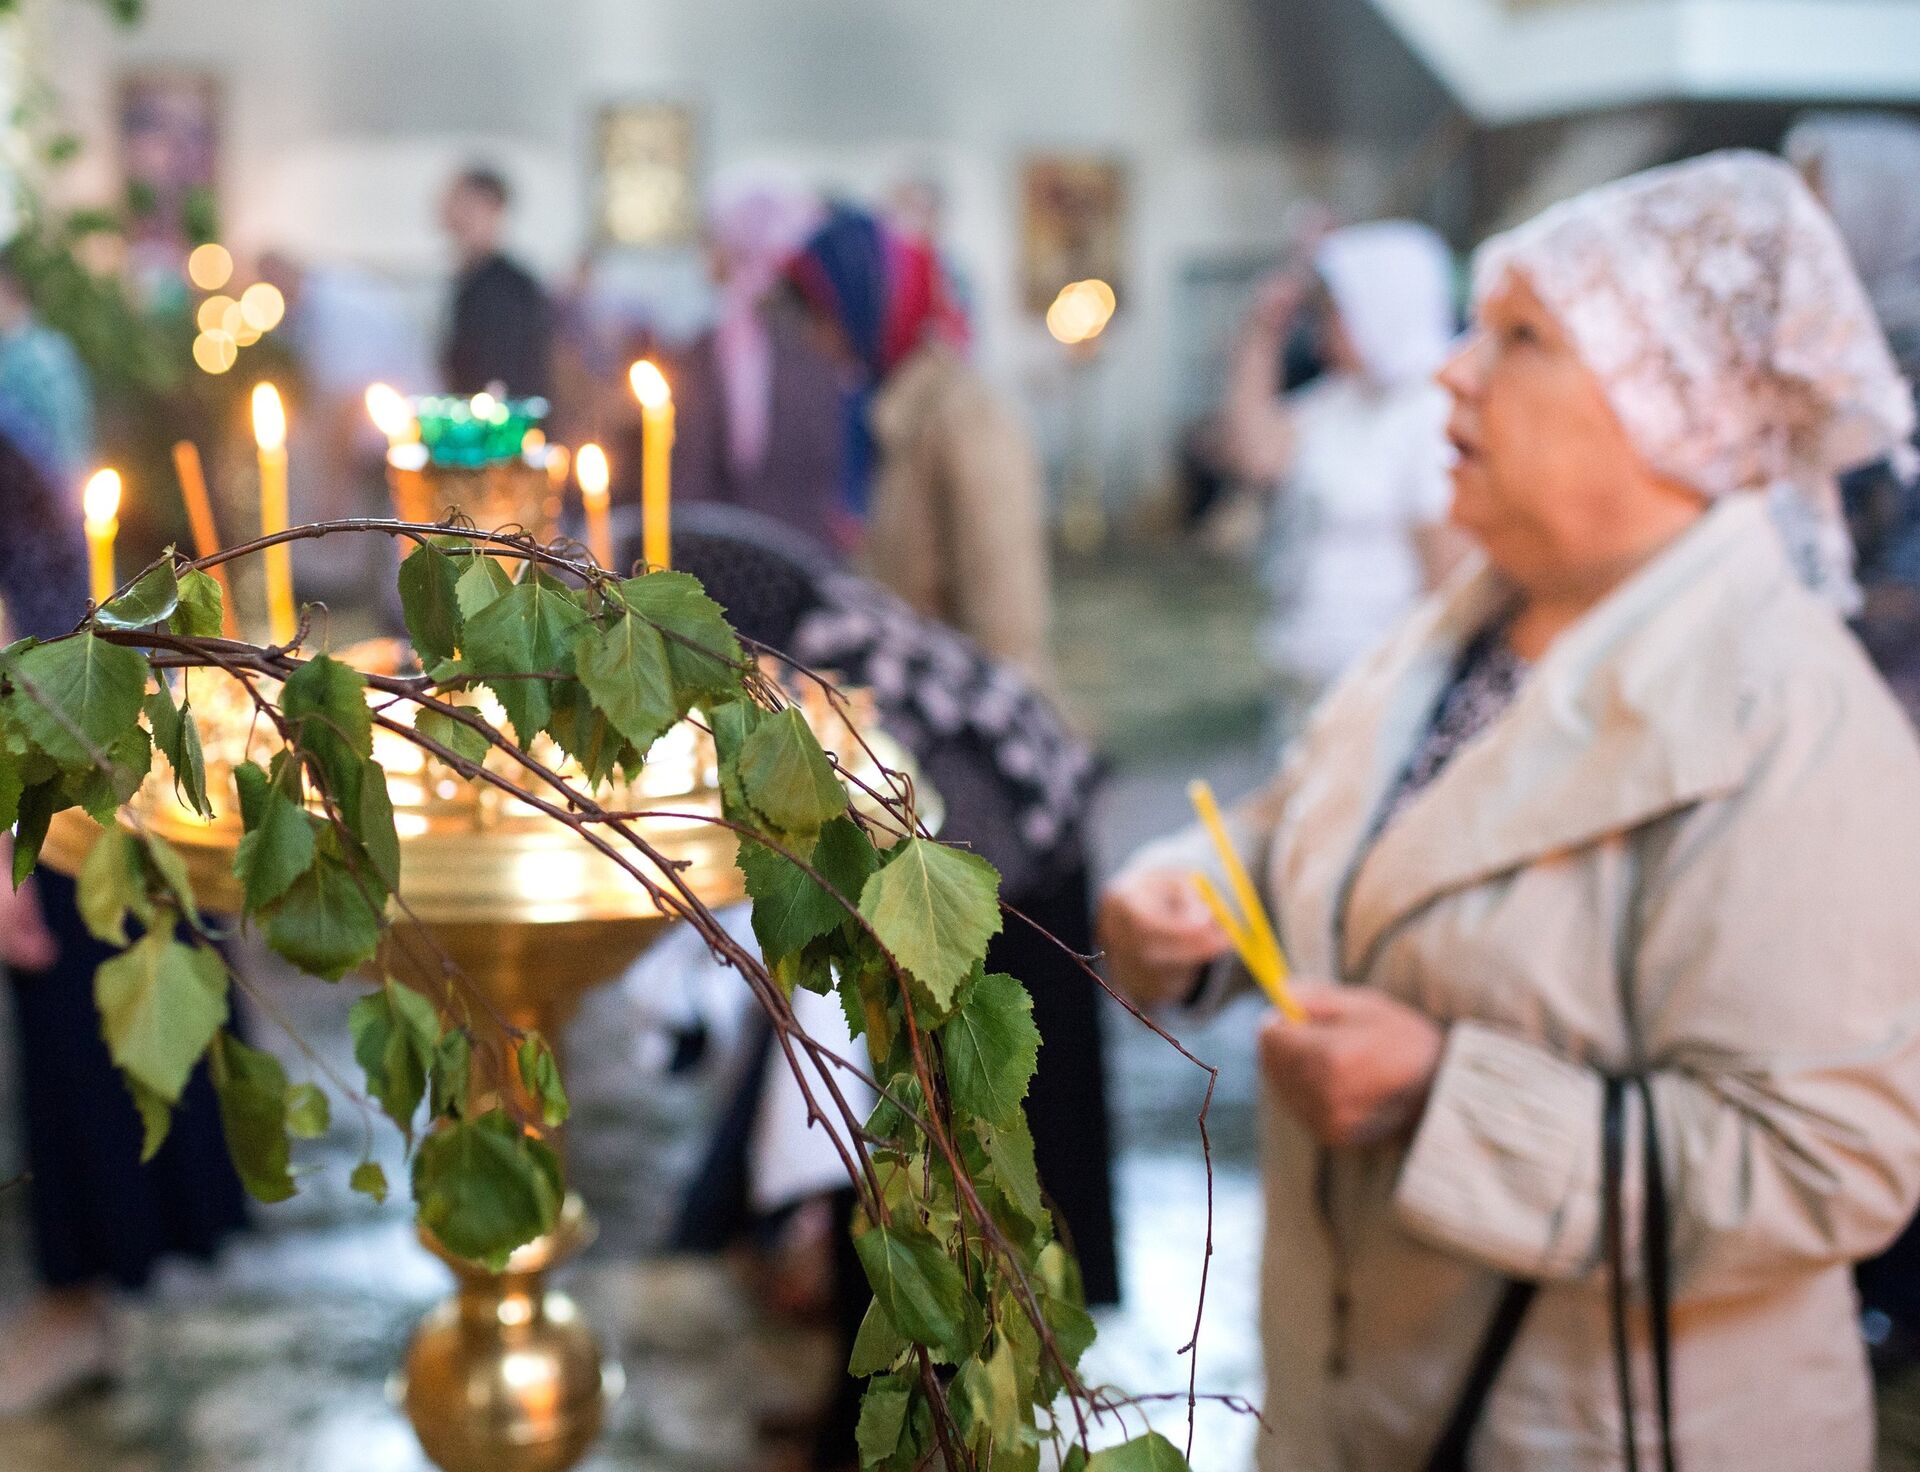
1450, 1451
1657, 1236
1613, 1232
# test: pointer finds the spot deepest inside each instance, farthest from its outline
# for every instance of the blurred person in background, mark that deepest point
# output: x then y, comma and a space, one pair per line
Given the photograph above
100, 1220
501, 332
758, 403
1608, 862
937, 464
46, 406
1866, 169
1356, 458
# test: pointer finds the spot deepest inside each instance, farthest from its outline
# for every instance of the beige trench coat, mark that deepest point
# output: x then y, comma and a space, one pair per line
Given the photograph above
959, 510
1691, 845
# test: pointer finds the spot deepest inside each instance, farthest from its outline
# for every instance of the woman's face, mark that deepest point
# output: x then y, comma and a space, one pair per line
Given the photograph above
1545, 477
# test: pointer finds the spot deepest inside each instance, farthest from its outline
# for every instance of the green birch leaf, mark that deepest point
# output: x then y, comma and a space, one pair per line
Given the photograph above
369, 1180
324, 923
252, 1089
480, 583
1075, 1460
991, 1049
528, 630
1149, 1453
484, 1187
429, 602
308, 1112
449, 1085
1073, 1327
156, 1119
165, 861
95, 688
100, 790
789, 908
277, 850
989, 1391
38, 804
919, 1286
586, 735
12, 785
1009, 1157
161, 1002
178, 740
786, 777
456, 736
153, 597
375, 828
624, 669
201, 614
250, 785
540, 1076
325, 702
395, 1033
877, 1346
934, 909
702, 652
883, 1415
111, 882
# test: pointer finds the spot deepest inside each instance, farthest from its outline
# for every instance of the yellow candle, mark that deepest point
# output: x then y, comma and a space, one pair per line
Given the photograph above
101, 503
590, 467
1253, 936
650, 387
206, 535
270, 435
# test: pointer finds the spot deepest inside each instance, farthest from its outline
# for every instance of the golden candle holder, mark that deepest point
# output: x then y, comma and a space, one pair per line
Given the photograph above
523, 492
506, 1375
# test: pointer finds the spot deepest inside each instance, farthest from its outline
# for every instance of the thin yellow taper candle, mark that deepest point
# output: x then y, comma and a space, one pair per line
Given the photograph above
270, 436
651, 388
1253, 936
101, 503
206, 534
590, 467
392, 414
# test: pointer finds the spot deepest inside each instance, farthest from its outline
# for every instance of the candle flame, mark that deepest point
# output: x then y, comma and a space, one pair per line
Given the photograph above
392, 415
269, 418
650, 385
101, 498
590, 466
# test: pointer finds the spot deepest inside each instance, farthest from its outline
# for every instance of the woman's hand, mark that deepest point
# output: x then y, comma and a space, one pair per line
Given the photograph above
1157, 933
1357, 1069
25, 942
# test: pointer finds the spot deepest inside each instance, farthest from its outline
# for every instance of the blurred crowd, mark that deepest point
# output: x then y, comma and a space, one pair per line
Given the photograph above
1593, 848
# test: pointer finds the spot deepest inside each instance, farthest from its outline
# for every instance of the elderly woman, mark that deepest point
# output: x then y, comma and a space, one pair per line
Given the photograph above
1605, 866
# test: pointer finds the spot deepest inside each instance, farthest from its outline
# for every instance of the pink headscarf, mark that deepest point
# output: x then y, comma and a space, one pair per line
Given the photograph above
755, 231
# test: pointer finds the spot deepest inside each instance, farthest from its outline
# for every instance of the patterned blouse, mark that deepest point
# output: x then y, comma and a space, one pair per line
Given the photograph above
1486, 679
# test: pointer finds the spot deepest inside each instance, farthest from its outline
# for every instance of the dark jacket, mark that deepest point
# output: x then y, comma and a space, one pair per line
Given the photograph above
502, 332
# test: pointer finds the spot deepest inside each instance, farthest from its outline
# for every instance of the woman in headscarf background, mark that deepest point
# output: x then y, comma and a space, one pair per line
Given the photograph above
1627, 804
1865, 167
938, 467
1356, 457
758, 404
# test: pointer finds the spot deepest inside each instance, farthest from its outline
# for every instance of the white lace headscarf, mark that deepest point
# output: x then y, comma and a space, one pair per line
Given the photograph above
1716, 303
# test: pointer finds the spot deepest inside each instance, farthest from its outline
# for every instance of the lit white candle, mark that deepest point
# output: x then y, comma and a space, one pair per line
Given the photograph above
655, 394
590, 467
270, 438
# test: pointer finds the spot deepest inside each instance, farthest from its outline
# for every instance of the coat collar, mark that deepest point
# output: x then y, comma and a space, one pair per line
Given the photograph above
1643, 707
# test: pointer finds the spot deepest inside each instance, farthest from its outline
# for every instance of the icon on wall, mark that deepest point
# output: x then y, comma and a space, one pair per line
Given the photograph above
647, 195
1073, 223
169, 139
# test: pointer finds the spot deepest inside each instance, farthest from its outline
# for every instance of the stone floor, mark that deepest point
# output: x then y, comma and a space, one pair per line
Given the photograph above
280, 1358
